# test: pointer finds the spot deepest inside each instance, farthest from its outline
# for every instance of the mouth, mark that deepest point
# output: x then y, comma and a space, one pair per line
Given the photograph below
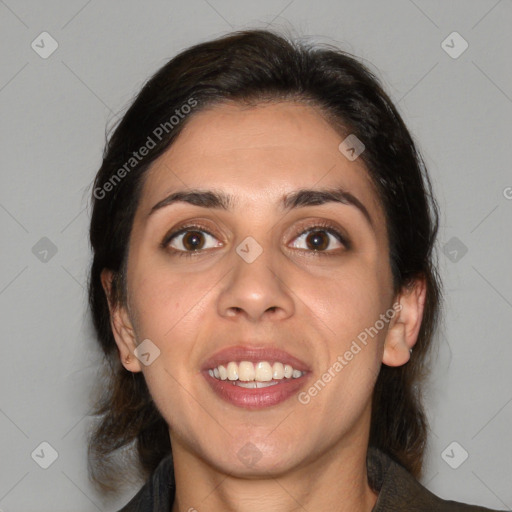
254, 378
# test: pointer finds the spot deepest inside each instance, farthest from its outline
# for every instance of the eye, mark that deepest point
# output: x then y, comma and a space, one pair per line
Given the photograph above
190, 239
321, 238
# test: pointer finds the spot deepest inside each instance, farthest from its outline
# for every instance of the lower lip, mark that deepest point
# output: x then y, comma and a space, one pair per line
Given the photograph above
255, 398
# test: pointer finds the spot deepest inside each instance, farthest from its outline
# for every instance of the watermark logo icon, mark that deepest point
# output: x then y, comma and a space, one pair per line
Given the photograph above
454, 45
146, 352
44, 250
454, 249
44, 455
44, 45
454, 455
249, 454
351, 147
249, 249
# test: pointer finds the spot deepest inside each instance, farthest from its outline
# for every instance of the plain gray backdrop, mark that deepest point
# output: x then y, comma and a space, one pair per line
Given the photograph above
456, 101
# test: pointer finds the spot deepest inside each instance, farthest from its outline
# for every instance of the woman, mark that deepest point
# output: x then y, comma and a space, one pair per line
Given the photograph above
263, 286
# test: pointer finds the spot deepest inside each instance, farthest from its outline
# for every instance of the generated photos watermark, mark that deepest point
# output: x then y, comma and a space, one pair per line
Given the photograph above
156, 135
343, 360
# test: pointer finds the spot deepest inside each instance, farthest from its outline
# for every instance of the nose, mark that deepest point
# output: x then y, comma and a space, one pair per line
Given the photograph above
256, 288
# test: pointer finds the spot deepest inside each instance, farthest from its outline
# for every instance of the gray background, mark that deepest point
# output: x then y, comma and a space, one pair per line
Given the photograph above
53, 117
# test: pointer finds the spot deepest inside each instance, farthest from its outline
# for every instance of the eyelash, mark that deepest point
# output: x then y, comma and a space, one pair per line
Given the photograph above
323, 225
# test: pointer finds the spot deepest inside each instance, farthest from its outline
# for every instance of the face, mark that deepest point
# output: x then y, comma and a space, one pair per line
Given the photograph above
261, 278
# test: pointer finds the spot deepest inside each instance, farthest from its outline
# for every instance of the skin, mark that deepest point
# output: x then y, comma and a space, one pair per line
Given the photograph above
312, 456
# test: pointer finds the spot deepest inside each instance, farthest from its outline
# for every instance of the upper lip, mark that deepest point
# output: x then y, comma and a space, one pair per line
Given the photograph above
253, 354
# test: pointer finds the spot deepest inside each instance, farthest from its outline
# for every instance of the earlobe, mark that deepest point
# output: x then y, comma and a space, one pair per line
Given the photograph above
121, 326
396, 350
403, 332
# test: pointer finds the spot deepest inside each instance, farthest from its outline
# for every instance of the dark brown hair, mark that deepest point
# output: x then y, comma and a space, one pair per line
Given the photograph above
250, 67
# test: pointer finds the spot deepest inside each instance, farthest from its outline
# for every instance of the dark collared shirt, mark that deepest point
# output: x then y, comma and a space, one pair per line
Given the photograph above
398, 490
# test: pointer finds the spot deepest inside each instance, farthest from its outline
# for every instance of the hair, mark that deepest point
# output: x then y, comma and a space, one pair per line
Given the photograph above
250, 67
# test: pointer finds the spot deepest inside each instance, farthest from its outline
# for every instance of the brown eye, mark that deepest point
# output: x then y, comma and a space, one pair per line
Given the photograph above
317, 240
189, 240
193, 240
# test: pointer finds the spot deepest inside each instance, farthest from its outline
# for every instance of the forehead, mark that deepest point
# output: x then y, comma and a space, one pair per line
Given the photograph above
258, 154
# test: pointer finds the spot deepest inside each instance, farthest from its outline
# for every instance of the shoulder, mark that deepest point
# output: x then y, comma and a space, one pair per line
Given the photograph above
400, 491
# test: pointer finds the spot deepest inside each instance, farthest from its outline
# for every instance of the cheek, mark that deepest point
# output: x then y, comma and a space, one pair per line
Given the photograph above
166, 303
348, 300
169, 308
349, 306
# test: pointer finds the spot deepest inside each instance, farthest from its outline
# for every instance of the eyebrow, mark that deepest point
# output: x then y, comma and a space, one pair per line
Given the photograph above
298, 199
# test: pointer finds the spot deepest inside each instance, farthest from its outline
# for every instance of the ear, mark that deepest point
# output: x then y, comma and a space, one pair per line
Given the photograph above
404, 328
121, 325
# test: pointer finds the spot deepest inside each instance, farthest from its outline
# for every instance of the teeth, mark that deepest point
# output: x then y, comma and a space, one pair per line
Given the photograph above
263, 372
278, 370
254, 384
223, 373
246, 371
249, 375
232, 371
